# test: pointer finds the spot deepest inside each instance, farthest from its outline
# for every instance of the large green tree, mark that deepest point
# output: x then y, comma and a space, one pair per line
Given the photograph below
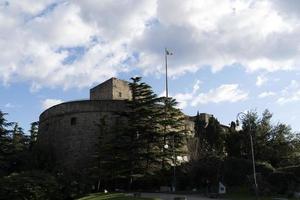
275, 144
141, 136
173, 132
134, 147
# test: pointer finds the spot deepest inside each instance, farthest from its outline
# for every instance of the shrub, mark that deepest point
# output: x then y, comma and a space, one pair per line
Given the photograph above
264, 168
236, 171
33, 185
281, 182
291, 169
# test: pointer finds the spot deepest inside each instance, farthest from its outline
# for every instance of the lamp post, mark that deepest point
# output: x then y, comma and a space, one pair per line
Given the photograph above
166, 146
242, 116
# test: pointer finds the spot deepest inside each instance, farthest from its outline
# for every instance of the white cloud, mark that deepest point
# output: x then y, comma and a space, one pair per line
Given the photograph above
53, 43
290, 94
266, 94
217, 33
185, 98
47, 103
224, 93
260, 80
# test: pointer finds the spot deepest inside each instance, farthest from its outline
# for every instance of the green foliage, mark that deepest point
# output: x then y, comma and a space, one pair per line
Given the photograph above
34, 128
291, 169
233, 142
6, 146
110, 155
275, 144
237, 171
282, 182
14, 155
33, 185
211, 136
208, 167
173, 132
133, 149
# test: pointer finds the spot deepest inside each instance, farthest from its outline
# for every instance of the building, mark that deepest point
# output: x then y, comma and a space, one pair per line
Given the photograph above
70, 130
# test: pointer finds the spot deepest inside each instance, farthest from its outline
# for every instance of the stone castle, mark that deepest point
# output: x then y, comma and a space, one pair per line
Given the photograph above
70, 130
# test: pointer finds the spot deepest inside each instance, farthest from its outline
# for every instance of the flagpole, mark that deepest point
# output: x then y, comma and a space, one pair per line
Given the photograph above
166, 61
173, 146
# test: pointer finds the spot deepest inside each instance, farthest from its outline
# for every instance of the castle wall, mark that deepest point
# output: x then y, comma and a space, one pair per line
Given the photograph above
102, 91
71, 130
121, 90
112, 89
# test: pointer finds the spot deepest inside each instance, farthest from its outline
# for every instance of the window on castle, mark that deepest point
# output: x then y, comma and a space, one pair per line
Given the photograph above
120, 94
47, 127
73, 121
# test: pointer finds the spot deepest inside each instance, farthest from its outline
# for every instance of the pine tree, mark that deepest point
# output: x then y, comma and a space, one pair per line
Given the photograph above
6, 147
134, 147
141, 138
174, 132
34, 129
19, 139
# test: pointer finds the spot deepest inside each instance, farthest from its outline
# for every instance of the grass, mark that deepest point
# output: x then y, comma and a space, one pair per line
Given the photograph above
243, 193
245, 197
113, 196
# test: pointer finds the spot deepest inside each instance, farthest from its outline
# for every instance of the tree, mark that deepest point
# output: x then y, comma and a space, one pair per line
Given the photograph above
34, 129
233, 142
109, 154
6, 147
173, 131
141, 137
19, 139
34, 185
133, 148
210, 136
274, 144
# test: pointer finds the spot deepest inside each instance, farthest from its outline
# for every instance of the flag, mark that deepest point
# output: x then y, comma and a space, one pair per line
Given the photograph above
168, 52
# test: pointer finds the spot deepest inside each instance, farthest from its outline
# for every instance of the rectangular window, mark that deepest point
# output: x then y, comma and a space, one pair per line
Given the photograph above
47, 127
120, 94
73, 121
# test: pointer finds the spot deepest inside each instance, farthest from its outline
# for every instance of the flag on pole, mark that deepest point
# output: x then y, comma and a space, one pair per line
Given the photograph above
168, 52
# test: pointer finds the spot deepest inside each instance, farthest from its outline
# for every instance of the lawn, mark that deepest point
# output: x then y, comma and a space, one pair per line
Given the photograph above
245, 196
113, 196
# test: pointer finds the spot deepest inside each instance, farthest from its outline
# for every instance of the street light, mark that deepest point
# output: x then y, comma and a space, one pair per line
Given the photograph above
166, 146
242, 116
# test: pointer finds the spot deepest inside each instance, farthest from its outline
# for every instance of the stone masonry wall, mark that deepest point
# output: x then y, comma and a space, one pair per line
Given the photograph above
112, 89
71, 130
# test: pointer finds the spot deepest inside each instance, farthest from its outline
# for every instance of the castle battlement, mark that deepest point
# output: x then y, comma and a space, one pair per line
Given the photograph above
112, 89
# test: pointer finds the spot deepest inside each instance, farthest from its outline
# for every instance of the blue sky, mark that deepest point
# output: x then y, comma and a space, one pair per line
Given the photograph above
229, 56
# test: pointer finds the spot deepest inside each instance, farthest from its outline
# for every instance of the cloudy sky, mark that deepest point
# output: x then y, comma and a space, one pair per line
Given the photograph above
229, 55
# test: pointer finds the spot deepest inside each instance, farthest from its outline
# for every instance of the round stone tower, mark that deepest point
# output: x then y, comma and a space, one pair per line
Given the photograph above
70, 130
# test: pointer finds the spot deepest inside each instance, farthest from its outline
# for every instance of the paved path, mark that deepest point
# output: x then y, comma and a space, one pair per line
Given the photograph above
167, 196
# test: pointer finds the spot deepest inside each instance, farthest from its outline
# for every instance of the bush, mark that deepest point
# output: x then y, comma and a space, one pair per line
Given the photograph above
264, 168
237, 171
281, 182
204, 169
33, 185
291, 169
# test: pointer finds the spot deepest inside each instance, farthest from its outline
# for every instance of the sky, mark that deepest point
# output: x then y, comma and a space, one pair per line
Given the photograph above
229, 56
